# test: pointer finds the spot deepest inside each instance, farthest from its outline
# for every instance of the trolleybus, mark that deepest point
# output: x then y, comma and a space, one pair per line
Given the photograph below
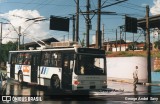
66, 67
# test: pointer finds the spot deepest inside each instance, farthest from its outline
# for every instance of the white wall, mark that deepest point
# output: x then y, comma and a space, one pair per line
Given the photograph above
123, 68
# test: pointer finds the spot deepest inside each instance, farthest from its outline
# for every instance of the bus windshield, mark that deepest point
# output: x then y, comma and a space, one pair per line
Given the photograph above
90, 65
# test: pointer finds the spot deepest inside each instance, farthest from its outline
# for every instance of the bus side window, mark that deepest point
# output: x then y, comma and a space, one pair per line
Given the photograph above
68, 62
13, 59
59, 59
27, 62
55, 59
20, 59
27, 58
45, 58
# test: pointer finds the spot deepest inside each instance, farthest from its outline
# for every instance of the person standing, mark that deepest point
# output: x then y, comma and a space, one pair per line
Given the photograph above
135, 76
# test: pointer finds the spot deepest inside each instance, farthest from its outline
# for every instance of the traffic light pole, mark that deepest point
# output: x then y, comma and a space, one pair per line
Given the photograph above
98, 33
87, 24
77, 22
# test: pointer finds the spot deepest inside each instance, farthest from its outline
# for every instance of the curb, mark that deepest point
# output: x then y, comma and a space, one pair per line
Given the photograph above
149, 84
140, 83
122, 81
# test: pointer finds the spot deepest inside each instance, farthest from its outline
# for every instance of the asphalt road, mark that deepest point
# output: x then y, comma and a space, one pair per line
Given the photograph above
116, 93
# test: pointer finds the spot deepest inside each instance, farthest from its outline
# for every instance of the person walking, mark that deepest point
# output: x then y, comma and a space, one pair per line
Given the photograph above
135, 77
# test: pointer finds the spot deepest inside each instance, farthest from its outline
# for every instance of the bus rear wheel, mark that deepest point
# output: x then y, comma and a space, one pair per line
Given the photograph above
55, 82
20, 77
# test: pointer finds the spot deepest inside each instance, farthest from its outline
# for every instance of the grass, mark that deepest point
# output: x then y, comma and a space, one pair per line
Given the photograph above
133, 53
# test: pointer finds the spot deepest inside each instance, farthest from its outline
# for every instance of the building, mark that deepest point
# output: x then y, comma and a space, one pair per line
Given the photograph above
113, 47
35, 45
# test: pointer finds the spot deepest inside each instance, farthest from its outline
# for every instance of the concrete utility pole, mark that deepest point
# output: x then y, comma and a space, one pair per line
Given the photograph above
120, 42
98, 33
19, 34
125, 41
1, 43
103, 34
133, 42
77, 22
1, 34
73, 28
116, 40
148, 45
87, 23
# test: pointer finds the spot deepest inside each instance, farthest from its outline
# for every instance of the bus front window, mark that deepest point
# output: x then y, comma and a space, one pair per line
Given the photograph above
90, 65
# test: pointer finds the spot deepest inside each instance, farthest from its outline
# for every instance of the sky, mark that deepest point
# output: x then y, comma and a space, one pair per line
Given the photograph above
17, 12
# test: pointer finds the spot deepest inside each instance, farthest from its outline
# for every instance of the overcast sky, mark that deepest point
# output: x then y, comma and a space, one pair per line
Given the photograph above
17, 12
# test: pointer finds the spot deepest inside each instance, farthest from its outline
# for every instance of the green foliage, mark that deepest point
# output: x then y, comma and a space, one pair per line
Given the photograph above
157, 44
4, 50
124, 53
108, 52
133, 45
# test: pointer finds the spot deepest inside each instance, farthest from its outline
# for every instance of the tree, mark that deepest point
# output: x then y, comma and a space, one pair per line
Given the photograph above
4, 50
157, 44
133, 46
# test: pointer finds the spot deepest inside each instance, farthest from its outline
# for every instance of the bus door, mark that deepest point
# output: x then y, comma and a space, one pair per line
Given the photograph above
67, 62
12, 67
34, 67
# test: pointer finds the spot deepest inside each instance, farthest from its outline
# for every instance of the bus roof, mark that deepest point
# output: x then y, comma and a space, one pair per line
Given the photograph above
55, 49
77, 50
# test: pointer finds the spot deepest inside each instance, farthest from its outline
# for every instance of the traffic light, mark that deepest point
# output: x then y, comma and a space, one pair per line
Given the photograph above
130, 24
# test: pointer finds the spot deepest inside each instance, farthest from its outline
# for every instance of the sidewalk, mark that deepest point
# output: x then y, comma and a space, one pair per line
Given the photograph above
131, 82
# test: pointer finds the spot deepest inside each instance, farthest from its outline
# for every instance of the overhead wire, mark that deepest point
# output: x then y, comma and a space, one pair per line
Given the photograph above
42, 4
26, 4
45, 4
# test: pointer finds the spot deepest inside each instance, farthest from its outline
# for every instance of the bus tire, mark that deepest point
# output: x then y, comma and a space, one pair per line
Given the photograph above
55, 82
20, 77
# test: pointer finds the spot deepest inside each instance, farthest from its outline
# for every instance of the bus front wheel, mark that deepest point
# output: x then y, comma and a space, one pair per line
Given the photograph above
55, 82
20, 77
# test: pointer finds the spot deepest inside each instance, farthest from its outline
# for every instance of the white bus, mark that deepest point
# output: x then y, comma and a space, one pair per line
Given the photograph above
71, 68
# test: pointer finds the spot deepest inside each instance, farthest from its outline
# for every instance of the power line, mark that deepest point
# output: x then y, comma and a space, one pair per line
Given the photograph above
48, 4
126, 6
38, 5
26, 4
135, 5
